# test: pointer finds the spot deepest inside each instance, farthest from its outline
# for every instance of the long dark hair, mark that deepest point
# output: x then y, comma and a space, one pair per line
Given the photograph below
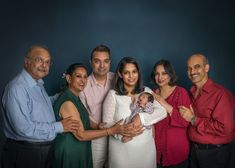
71, 69
118, 84
169, 70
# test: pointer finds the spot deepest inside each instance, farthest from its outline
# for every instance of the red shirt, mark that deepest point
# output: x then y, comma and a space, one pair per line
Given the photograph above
214, 110
171, 138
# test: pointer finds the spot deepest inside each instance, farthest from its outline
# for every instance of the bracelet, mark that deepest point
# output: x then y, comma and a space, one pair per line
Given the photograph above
107, 132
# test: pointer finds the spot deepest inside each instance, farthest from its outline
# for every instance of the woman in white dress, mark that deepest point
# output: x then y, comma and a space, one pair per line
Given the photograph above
140, 151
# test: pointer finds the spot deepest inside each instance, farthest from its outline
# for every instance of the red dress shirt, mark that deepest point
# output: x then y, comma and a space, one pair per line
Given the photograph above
214, 110
171, 138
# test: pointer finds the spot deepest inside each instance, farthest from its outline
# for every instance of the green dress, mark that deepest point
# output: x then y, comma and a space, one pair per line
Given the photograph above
69, 152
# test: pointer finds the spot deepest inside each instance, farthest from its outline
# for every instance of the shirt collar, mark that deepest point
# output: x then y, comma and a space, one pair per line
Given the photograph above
94, 81
205, 88
32, 82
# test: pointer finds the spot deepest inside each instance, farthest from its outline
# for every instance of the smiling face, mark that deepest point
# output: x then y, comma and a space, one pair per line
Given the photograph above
130, 76
100, 63
198, 68
37, 63
78, 80
161, 76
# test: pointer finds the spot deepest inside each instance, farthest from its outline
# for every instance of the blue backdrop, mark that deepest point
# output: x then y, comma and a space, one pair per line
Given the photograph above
143, 29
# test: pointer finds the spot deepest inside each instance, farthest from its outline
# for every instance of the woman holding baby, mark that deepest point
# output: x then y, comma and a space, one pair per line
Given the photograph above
140, 151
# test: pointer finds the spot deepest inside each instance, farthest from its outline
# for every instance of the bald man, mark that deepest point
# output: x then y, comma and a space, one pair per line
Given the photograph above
211, 115
29, 121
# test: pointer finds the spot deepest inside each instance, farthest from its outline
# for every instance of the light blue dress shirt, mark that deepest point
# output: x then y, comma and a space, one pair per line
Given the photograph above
27, 110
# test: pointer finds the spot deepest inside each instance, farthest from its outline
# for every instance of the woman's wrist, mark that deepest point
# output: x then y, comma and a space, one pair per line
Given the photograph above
170, 110
108, 131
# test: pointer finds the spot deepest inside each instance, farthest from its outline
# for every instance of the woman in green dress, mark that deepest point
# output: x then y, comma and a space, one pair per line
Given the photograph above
73, 150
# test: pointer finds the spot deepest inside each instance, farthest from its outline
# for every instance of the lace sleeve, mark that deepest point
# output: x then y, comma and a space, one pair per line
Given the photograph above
109, 108
109, 111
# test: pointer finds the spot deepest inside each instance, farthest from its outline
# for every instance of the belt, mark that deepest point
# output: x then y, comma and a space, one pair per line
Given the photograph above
207, 146
30, 143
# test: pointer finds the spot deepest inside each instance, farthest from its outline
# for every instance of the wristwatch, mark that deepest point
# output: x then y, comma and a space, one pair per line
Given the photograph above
193, 120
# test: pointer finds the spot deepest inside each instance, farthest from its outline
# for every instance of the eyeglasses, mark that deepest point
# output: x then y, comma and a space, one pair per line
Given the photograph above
39, 60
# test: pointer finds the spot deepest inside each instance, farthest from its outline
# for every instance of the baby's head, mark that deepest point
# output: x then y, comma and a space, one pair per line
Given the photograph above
144, 98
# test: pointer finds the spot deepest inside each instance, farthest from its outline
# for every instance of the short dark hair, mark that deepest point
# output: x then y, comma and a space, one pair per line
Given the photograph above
150, 96
70, 70
100, 48
118, 84
169, 70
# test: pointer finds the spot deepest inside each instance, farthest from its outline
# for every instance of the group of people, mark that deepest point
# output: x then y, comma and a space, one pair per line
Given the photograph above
111, 120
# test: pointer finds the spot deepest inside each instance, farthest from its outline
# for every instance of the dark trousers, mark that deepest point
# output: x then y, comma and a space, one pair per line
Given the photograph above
183, 164
21, 155
217, 157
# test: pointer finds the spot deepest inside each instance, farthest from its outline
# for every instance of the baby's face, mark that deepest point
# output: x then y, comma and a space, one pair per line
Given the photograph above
143, 100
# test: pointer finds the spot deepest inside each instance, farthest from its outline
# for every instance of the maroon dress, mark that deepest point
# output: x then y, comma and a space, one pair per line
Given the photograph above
171, 138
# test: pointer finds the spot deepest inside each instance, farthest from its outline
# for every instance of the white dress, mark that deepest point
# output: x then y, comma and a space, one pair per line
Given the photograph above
140, 151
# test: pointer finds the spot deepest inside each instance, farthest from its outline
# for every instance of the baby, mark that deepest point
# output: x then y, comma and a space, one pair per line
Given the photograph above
142, 104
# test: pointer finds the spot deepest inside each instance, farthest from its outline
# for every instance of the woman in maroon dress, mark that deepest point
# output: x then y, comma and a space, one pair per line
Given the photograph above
172, 143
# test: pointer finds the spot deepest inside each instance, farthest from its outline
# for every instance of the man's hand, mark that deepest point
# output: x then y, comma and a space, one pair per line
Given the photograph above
102, 125
186, 113
70, 125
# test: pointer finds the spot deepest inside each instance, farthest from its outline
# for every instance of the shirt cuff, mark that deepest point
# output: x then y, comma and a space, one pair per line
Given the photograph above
58, 127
